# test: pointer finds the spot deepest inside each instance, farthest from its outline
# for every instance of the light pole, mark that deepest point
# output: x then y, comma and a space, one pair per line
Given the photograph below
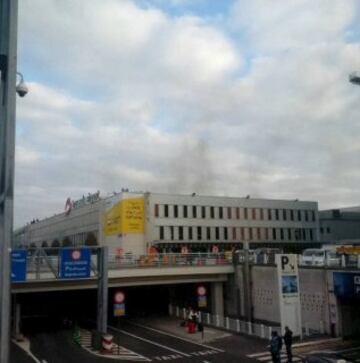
8, 60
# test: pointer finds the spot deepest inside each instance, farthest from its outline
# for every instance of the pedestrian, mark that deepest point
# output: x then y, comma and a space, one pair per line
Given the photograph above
275, 347
288, 343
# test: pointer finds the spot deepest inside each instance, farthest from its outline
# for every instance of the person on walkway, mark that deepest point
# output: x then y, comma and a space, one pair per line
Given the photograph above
275, 347
288, 343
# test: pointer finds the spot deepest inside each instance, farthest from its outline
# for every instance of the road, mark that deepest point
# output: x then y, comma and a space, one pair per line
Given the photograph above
150, 344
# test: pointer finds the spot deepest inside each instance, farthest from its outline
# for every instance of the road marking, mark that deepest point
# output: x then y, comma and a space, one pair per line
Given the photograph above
150, 341
177, 337
266, 357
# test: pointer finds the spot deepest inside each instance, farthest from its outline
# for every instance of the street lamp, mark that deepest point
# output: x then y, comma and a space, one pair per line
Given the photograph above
21, 88
354, 78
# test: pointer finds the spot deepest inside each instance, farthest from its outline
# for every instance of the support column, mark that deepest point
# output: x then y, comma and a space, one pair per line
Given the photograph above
17, 320
217, 299
8, 50
102, 301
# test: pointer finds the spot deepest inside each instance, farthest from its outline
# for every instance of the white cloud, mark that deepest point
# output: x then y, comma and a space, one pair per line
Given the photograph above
168, 110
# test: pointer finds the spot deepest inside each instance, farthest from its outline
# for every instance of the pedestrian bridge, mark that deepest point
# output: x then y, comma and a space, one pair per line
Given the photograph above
43, 271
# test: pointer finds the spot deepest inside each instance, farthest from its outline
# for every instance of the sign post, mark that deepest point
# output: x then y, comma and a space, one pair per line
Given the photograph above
119, 304
201, 295
75, 263
18, 265
289, 294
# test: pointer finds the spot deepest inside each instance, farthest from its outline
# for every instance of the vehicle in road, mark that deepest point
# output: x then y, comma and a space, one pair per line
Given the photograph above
320, 257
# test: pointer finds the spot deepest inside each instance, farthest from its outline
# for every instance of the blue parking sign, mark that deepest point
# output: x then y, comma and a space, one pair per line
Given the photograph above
18, 265
75, 263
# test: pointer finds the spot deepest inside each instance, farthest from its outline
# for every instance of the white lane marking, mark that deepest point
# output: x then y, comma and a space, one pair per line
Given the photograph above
25, 345
175, 336
256, 354
150, 341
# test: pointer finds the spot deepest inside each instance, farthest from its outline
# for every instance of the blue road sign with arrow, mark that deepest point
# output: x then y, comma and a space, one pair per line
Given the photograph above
18, 265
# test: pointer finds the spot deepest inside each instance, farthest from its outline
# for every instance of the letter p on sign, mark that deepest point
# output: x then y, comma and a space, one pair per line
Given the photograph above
284, 261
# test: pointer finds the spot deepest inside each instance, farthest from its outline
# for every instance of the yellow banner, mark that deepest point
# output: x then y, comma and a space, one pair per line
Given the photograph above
133, 216
125, 217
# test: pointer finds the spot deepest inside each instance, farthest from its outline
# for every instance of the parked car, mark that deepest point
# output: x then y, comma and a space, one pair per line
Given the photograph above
320, 257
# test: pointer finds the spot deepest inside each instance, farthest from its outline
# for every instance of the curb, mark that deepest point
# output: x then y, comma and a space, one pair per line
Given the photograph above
313, 342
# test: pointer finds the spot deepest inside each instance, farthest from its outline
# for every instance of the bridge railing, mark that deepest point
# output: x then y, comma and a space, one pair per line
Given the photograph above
46, 262
169, 260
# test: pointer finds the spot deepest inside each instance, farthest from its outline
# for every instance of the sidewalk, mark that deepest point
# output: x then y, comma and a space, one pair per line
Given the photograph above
172, 326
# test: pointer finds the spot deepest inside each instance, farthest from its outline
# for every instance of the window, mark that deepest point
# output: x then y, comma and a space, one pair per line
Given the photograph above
313, 216
253, 213
299, 215
212, 212
172, 233
203, 212
199, 234
229, 213
156, 210
274, 233
297, 234
267, 233
181, 233
306, 216
311, 234
291, 215
190, 233
282, 234
185, 213
237, 212
234, 233
250, 234
269, 215
221, 212
258, 233
217, 234
284, 215
166, 210
327, 229
242, 233
194, 211
161, 232
261, 214
225, 233
208, 236
175, 211
289, 234
321, 230
277, 214
245, 213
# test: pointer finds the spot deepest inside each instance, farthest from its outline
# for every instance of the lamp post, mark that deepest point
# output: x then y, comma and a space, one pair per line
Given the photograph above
354, 78
8, 60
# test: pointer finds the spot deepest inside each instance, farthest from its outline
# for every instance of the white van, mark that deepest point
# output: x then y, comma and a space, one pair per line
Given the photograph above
320, 257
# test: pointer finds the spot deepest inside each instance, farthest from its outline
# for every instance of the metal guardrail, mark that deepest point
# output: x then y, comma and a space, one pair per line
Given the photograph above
243, 327
230, 324
342, 261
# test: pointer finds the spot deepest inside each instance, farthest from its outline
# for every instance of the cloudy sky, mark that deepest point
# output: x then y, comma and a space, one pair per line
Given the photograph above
224, 97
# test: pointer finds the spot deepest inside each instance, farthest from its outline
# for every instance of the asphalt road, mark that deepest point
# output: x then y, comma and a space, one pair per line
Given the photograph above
151, 345
17, 355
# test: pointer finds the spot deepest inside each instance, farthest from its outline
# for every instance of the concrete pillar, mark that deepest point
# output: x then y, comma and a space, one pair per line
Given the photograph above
217, 299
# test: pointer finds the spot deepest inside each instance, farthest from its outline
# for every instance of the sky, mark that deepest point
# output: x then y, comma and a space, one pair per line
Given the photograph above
216, 97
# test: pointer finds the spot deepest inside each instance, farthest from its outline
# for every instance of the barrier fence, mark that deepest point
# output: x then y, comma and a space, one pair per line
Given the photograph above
241, 326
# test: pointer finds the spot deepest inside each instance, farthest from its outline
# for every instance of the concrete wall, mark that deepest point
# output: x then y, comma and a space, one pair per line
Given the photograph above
316, 297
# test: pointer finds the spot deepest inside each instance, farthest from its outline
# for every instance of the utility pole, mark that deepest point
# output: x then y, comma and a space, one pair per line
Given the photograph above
8, 61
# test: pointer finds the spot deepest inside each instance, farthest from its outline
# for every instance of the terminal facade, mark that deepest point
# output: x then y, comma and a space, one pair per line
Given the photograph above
134, 222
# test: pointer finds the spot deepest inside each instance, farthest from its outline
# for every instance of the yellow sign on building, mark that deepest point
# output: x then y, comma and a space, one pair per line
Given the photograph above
125, 217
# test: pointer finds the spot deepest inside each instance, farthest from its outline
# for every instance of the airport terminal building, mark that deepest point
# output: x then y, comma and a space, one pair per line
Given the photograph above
133, 222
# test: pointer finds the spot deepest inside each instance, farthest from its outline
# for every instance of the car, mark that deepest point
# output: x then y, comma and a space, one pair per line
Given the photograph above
325, 357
